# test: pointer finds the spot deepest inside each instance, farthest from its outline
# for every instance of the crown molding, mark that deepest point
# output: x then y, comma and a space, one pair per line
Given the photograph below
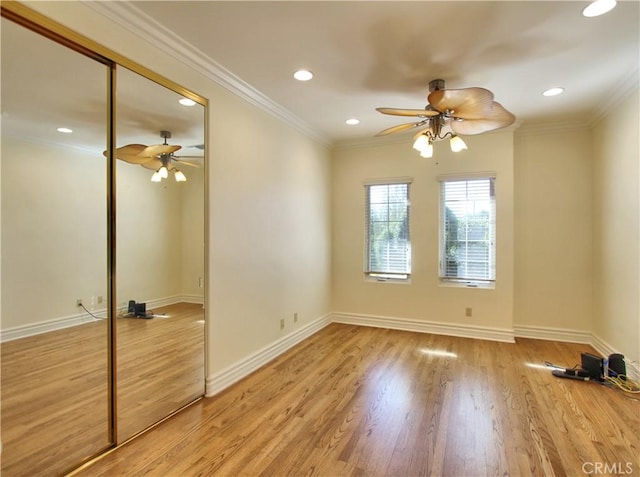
553, 127
142, 25
627, 85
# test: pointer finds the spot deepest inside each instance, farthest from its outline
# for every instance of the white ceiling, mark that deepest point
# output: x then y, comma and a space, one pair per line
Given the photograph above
367, 54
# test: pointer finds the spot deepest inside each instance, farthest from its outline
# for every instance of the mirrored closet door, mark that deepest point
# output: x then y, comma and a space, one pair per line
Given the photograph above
102, 280
55, 354
160, 252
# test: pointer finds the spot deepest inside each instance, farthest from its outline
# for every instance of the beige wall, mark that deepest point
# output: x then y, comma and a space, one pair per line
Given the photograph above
269, 213
553, 228
616, 229
423, 299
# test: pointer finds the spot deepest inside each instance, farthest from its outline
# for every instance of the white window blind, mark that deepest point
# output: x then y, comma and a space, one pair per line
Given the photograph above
468, 229
388, 248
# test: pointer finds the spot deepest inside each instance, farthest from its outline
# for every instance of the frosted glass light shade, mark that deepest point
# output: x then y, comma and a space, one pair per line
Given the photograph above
427, 151
457, 144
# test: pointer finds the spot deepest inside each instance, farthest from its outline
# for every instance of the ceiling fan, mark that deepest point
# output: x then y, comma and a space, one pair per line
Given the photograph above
450, 113
159, 158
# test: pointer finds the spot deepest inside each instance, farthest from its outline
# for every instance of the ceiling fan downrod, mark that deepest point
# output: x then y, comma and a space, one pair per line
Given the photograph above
165, 135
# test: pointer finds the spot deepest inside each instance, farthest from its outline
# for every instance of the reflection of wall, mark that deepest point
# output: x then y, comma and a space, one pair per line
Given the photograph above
54, 233
192, 214
149, 236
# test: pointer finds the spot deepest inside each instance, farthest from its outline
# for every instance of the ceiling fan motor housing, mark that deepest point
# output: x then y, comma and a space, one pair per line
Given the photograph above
436, 84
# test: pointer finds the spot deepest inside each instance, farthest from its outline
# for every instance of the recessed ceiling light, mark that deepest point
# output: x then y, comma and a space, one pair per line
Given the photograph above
352, 121
65, 130
186, 102
552, 92
599, 7
303, 75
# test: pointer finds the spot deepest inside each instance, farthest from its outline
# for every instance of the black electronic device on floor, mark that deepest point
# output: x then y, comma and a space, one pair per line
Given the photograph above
593, 365
139, 310
571, 374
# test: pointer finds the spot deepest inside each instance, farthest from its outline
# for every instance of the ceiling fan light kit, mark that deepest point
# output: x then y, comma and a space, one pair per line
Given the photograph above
160, 158
450, 113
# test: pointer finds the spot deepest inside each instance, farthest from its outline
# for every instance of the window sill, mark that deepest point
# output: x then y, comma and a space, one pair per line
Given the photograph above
467, 284
397, 281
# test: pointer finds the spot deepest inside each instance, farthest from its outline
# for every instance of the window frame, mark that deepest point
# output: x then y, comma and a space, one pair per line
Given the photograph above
467, 281
377, 275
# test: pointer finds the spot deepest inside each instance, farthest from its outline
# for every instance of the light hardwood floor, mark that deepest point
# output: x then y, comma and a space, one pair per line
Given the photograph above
356, 401
54, 401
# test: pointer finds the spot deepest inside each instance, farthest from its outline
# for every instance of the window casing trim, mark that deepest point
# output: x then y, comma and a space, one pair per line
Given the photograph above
385, 275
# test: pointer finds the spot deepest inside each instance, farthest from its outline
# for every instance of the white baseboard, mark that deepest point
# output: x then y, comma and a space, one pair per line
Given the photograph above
46, 326
221, 380
433, 327
197, 299
82, 318
552, 334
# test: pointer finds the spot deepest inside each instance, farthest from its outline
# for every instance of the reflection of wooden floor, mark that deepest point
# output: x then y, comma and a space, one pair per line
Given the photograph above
54, 387
160, 365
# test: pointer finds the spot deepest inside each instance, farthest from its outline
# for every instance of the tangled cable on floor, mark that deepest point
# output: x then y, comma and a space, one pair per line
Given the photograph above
624, 383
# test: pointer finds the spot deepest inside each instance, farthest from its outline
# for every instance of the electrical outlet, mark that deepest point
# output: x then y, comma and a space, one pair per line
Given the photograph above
282, 324
201, 282
100, 299
468, 312
79, 302
295, 317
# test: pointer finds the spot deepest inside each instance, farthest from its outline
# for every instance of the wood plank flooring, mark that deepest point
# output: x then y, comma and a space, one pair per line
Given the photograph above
356, 401
54, 399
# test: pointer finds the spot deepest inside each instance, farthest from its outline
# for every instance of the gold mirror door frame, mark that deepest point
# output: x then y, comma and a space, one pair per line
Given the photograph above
106, 301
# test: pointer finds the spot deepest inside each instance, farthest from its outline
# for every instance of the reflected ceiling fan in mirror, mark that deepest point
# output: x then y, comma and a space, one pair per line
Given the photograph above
159, 158
450, 113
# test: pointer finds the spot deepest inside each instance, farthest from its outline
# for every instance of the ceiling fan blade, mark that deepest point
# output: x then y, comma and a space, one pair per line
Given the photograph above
152, 164
186, 163
132, 159
129, 153
153, 151
466, 103
499, 118
131, 149
399, 128
420, 113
